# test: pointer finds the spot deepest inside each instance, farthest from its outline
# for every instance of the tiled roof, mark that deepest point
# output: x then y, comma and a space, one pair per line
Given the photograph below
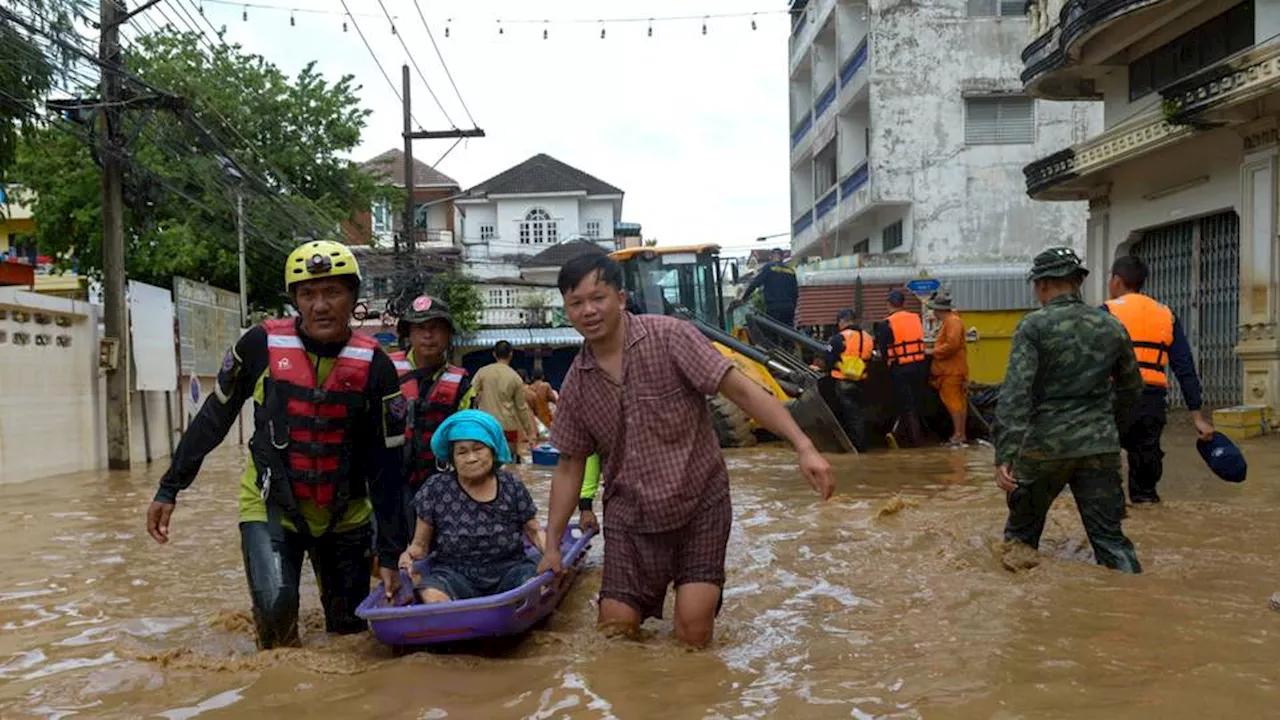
542, 174
558, 255
389, 167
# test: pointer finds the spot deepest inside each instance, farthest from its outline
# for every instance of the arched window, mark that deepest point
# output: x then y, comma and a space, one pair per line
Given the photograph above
538, 228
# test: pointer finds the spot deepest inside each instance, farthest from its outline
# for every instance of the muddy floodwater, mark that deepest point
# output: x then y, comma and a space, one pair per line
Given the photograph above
889, 601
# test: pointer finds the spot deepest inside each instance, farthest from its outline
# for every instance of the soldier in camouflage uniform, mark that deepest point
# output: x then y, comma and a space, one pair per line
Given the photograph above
1072, 375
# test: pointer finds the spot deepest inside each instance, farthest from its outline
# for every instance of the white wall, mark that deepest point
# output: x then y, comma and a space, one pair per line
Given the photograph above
52, 399
601, 210
1215, 154
476, 215
970, 203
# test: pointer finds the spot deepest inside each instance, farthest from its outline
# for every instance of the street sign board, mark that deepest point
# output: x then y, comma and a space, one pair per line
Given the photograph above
923, 287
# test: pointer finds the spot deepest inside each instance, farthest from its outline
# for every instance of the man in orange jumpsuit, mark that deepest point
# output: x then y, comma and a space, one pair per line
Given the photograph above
950, 370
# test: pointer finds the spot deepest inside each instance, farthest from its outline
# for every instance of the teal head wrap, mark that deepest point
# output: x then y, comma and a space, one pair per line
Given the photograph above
473, 425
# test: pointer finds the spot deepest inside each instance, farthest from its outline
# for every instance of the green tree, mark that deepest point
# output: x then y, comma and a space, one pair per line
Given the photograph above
30, 65
243, 128
465, 301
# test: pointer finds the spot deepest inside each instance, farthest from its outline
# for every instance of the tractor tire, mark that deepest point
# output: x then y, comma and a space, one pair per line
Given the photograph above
733, 427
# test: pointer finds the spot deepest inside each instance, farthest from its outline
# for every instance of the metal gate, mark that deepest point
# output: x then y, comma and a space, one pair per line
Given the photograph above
1195, 270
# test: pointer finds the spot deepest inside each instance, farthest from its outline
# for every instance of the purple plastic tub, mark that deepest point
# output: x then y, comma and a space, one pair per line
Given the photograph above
510, 613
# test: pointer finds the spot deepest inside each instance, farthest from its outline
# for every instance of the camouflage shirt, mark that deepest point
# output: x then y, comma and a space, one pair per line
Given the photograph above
1071, 374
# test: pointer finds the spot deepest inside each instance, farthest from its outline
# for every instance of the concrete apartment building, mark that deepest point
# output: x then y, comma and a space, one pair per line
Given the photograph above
909, 133
1184, 172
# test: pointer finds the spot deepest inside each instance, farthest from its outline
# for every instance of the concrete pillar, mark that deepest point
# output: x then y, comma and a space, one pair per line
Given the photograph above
1259, 348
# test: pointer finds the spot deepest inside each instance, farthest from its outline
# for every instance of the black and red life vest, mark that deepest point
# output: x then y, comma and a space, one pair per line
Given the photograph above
320, 418
426, 414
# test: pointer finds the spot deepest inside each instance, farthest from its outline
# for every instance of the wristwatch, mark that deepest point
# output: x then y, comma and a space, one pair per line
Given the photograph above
585, 504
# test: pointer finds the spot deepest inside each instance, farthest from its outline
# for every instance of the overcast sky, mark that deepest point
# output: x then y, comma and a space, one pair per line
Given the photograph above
692, 127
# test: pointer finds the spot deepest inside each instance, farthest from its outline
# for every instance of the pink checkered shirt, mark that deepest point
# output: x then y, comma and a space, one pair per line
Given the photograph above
653, 432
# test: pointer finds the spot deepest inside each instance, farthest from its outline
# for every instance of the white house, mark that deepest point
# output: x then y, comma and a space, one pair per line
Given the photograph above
519, 226
529, 208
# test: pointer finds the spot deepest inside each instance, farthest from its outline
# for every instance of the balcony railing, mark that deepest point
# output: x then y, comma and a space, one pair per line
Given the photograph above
854, 63
1057, 25
802, 223
432, 239
516, 316
854, 181
827, 203
801, 129
825, 100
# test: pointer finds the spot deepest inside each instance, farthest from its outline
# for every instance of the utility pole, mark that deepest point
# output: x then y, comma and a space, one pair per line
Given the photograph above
244, 272
116, 310
404, 240
407, 249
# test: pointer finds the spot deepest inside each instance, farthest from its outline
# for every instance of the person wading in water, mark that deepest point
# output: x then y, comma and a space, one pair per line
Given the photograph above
325, 457
637, 394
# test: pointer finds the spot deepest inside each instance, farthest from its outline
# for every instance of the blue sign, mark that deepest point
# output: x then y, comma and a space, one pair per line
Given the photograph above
924, 286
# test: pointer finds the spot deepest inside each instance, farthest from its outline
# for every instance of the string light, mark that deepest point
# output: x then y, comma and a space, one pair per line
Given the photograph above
448, 29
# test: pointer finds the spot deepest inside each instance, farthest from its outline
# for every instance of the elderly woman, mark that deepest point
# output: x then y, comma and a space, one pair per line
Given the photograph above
473, 518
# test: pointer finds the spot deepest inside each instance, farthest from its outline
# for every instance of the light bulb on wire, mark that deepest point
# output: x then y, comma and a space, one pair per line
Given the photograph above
244, 14
292, 21
500, 27
704, 26
650, 27
601, 31
753, 21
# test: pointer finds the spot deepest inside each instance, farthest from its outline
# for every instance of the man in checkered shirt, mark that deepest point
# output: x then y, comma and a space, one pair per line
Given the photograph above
637, 394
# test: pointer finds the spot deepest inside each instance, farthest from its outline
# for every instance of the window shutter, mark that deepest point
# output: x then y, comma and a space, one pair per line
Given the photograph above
999, 121
1013, 8
982, 8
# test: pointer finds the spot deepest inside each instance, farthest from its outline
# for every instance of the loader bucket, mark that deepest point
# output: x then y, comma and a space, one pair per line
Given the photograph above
815, 418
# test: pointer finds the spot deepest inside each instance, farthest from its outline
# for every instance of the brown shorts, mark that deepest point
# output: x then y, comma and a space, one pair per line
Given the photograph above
638, 567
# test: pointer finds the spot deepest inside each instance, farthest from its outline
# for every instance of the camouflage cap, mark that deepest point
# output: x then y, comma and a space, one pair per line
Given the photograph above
1056, 262
425, 308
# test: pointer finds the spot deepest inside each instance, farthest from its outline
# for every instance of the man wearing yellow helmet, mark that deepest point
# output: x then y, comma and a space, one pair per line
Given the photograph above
329, 424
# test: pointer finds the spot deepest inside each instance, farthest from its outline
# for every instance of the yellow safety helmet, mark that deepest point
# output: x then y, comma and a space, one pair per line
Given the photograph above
320, 259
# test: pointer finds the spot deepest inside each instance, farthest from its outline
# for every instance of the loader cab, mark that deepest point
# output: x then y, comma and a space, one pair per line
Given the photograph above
663, 281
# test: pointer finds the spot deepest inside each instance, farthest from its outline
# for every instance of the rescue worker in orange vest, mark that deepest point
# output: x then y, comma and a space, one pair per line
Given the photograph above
325, 457
901, 341
850, 356
434, 388
1158, 343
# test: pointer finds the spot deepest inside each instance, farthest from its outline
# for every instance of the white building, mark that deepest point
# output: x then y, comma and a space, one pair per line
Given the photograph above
517, 227
1183, 173
910, 131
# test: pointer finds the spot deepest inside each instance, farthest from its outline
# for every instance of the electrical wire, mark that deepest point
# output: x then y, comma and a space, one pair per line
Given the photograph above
372, 54
431, 36
414, 62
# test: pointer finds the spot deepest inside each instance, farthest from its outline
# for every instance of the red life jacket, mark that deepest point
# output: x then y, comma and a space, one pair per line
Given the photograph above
426, 414
320, 419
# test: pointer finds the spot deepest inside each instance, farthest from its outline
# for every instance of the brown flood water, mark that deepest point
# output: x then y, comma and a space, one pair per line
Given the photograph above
872, 605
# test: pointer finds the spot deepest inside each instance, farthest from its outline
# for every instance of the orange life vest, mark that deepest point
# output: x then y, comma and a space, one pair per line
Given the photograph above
865, 346
425, 415
1150, 326
319, 419
908, 338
